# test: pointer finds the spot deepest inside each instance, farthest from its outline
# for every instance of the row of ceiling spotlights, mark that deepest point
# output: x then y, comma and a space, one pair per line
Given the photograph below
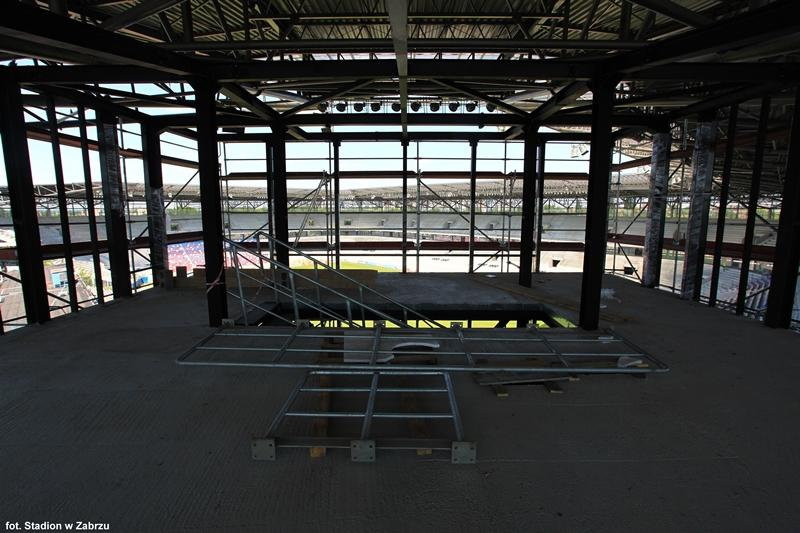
415, 106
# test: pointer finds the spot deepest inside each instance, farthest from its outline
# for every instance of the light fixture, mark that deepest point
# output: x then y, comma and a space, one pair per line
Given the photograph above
490, 108
471, 106
358, 107
415, 106
453, 106
322, 106
434, 106
341, 107
395, 107
375, 106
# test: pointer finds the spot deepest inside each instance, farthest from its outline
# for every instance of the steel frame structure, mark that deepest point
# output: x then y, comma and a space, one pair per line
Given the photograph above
268, 66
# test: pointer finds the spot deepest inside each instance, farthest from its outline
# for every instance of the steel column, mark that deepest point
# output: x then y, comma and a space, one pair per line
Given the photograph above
528, 206
156, 214
540, 162
63, 214
405, 203
23, 203
752, 205
656, 210
594, 255
787, 247
114, 204
697, 225
210, 200
280, 197
336, 210
472, 200
723, 203
92, 218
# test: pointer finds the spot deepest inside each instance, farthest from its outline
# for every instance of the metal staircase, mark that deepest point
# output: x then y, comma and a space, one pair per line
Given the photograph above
352, 303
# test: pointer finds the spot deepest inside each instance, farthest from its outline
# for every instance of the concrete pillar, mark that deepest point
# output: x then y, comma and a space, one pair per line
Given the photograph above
697, 226
656, 210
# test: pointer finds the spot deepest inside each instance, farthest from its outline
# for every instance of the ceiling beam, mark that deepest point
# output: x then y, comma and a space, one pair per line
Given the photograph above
484, 97
675, 12
413, 45
243, 98
718, 101
393, 119
324, 98
94, 102
137, 13
38, 27
467, 70
564, 97
775, 21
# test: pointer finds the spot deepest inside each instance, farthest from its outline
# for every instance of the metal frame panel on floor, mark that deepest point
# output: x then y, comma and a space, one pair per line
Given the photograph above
363, 446
555, 351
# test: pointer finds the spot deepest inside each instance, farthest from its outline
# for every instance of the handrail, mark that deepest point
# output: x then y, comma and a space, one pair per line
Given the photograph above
339, 273
399, 322
302, 299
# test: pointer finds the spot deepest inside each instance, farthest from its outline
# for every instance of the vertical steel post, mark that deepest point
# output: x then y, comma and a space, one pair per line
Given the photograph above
270, 193
92, 219
697, 224
280, 196
61, 195
404, 235
782, 289
473, 176
594, 254
752, 206
186, 22
154, 198
540, 162
723, 203
419, 212
656, 209
22, 201
210, 200
528, 206
114, 205
336, 207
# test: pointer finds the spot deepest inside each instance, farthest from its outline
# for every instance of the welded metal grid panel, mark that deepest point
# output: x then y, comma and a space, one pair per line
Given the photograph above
368, 411
381, 349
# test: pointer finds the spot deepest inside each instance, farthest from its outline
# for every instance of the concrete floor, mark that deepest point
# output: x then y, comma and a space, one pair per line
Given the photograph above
98, 423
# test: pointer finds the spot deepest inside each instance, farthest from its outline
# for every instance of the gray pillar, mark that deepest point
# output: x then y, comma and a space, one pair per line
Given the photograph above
156, 214
114, 205
656, 210
697, 226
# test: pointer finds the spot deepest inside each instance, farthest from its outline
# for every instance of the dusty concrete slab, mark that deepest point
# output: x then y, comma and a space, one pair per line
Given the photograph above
98, 423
